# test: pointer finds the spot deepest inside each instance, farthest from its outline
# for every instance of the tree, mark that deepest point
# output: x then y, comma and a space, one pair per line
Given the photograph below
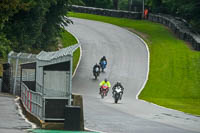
186, 9
38, 27
24, 27
55, 21
98, 3
103, 3
90, 3
115, 4
76, 2
156, 5
130, 4
4, 47
124, 5
7, 9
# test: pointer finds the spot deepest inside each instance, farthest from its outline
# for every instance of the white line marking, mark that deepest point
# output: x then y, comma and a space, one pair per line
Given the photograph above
94, 130
22, 115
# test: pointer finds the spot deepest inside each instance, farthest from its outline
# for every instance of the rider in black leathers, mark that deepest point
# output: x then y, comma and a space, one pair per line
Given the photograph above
118, 84
96, 67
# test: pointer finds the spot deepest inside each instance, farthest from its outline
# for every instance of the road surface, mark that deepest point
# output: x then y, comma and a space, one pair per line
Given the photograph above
128, 62
10, 119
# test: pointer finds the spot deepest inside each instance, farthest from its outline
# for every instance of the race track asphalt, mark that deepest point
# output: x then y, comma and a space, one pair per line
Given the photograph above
127, 59
10, 119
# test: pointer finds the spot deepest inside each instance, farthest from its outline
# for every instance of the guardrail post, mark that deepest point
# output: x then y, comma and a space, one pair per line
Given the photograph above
70, 80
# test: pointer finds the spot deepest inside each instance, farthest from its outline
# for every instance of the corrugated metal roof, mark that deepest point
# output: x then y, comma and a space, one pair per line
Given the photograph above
47, 56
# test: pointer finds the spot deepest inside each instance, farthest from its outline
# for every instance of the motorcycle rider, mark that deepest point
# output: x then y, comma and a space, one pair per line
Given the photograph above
106, 83
96, 68
103, 59
118, 84
103, 63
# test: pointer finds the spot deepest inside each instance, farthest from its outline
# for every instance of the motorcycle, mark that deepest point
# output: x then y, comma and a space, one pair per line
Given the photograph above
103, 65
117, 94
96, 72
104, 91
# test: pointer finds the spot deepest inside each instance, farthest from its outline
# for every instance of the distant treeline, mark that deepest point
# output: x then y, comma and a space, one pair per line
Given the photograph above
188, 10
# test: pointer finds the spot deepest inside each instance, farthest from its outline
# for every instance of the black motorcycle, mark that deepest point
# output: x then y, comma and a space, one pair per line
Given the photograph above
117, 94
96, 72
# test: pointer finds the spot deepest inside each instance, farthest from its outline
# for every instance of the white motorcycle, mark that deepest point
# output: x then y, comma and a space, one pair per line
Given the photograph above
117, 94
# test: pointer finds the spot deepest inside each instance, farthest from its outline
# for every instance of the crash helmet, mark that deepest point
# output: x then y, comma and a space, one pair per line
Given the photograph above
105, 79
118, 82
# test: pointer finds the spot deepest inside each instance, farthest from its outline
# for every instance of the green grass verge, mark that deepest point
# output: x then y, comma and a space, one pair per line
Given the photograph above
174, 77
68, 39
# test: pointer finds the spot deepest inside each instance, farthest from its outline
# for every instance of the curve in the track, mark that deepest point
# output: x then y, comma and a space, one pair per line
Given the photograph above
127, 59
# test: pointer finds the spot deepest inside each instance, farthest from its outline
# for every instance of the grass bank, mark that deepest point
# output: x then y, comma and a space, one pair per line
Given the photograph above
68, 39
174, 77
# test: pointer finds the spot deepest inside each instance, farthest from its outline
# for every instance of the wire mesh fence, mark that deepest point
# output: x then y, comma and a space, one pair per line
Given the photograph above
15, 59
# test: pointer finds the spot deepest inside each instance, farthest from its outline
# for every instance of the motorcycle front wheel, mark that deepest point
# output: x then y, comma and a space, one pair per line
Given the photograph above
116, 100
102, 95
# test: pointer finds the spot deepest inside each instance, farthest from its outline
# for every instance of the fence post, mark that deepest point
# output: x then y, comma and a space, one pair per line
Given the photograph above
16, 73
70, 80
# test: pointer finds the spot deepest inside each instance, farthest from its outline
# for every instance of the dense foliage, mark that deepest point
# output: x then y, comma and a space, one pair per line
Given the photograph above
7, 9
98, 3
186, 9
34, 24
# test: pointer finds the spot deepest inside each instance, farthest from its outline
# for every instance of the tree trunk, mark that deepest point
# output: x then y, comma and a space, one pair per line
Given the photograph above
130, 4
115, 4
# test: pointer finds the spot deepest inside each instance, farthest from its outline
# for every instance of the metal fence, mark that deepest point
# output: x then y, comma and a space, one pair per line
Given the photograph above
32, 101
41, 106
15, 59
